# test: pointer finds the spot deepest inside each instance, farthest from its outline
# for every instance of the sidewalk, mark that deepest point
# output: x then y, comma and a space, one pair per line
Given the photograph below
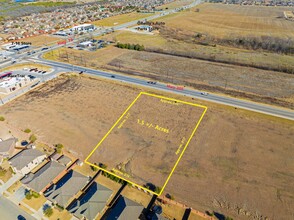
10, 182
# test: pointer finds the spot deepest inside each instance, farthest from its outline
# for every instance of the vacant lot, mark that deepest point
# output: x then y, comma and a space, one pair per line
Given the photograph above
233, 20
150, 122
41, 40
239, 161
121, 19
239, 81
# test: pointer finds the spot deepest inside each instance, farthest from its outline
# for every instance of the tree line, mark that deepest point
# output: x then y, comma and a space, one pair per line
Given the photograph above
130, 46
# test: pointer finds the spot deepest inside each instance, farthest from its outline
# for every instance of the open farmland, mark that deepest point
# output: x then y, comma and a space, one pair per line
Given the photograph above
238, 162
233, 20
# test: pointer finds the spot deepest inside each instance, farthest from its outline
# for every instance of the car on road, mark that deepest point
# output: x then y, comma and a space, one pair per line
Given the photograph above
44, 48
151, 82
20, 217
204, 93
112, 76
44, 71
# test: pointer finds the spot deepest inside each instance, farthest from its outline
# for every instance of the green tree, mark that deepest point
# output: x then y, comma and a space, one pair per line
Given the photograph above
27, 130
48, 211
59, 148
2, 118
32, 138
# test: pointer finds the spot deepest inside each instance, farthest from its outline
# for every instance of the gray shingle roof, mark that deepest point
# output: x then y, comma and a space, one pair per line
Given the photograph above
6, 145
24, 157
64, 160
125, 209
92, 202
43, 176
66, 187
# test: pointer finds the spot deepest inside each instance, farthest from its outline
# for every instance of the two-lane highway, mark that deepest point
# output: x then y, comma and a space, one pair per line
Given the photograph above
225, 100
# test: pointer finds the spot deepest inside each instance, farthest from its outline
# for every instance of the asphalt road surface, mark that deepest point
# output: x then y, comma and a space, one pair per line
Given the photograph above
10, 211
226, 100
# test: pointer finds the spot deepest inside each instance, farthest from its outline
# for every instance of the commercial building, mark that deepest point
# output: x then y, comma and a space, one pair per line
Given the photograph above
10, 84
82, 28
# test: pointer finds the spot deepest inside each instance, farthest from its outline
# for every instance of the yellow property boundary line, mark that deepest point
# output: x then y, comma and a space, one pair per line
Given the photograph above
179, 158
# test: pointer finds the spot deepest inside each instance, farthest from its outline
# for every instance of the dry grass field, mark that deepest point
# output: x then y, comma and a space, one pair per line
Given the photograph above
175, 4
149, 123
238, 162
239, 81
233, 20
40, 40
120, 19
221, 53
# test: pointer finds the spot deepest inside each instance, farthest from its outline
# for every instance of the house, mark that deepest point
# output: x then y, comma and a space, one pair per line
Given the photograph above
91, 203
7, 147
46, 175
66, 161
125, 209
26, 160
69, 185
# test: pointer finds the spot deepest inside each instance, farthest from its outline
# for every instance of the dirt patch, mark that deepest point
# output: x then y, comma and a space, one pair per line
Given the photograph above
240, 163
131, 149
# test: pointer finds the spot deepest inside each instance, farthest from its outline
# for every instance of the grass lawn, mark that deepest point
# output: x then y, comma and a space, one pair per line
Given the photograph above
12, 189
114, 186
6, 173
121, 19
136, 195
85, 170
27, 65
35, 203
64, 215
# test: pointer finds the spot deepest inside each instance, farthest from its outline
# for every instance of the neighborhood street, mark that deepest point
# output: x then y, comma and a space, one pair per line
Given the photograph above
10, 211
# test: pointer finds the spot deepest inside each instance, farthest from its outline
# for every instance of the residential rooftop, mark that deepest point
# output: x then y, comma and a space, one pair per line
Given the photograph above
70, 184
24, 157
39, 180
92, 202
125, 209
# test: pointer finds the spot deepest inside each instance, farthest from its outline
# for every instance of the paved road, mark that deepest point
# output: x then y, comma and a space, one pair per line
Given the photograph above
10, 211
238, 103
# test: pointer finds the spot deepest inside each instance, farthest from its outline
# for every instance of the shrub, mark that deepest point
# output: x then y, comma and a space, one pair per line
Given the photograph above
2, 171
2, 118
157, 189
29, 195
93, 168
32, 138
48, 211
27, 130
35, 194
59, 148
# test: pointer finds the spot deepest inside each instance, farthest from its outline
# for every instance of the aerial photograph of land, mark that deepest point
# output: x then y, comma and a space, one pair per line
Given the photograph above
157, 109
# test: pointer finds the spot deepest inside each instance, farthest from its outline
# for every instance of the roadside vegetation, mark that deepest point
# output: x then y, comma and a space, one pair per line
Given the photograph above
130, 46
